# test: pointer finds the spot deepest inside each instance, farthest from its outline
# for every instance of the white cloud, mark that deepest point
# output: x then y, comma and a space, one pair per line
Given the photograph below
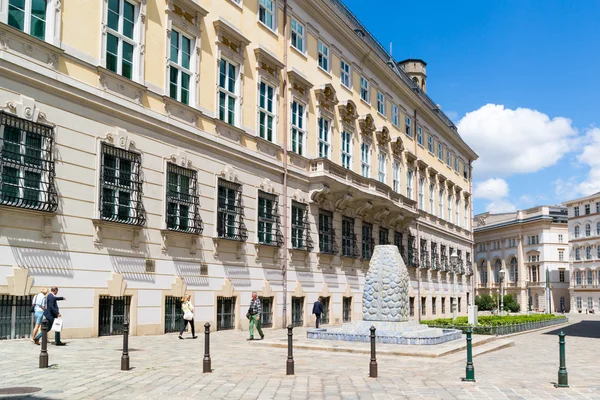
515, 141
590, 158
491, 189
500, 206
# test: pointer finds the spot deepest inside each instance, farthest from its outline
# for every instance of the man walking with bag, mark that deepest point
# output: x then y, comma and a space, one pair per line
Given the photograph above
254, 312
51, 313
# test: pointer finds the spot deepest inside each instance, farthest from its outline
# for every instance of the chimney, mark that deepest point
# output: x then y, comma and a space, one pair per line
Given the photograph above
415, 68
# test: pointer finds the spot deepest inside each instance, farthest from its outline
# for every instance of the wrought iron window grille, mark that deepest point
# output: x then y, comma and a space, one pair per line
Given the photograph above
121, 186
434, 256
183, 202
412, 251
384, 236
349, 242
230, 212
443, 258
459, 265
398, 241
368, 241
269, 221
327, 237
27, 169
424, 261
301, 238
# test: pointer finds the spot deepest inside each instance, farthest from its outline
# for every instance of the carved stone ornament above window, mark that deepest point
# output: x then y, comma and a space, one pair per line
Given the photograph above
229, 174
188, 13
299, 84
326, 97
268, 64
14, 41
397, 147
120, 85
348, 114
383, 137
267, 186
367, 126
120, 138
230, 40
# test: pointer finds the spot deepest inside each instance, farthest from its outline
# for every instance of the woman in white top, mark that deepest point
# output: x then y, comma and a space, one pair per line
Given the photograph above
188, 315
39, 303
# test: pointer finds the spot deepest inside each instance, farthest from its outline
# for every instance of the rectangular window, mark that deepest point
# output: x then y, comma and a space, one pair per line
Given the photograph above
420, 135
266, 13
579, 303
587, 209
324, 143
326, 310
560, 238
448, 158
396, 177
382, 161
347, 309
440, 152
112, 313
297, 311
384, 236
381, 103
423, 305
27, 164
230, 212
466, 217
409, 183
465, 173
183, 212
349, 248
430, 143
327, 243
121, 186
323, 56
576, 209
598, 206
297, 35
266, 316
449, 216
408, 126
28, 16
590, 303
300, 227
225, 313
422, 193
365, 160
441, 203
432, 198
411, 302
228, 98
346, 149
120, 32
561, 275
455, 164
266, 111
395, 117
561, 255
269, 229
433, 305
443, 305
457, 212
180, 67
367, 241
298, 127
364, 90
346, 74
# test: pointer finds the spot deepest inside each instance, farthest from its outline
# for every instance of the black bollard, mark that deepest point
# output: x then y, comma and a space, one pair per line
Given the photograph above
44, 352
125, 355
470, 369
290, 358
206, 368
373, 363
563, 375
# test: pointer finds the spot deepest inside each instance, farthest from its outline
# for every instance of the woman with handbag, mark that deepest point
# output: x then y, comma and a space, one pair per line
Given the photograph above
188, 315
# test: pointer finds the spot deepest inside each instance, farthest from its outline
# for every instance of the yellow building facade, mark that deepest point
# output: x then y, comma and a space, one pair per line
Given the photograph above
219, 147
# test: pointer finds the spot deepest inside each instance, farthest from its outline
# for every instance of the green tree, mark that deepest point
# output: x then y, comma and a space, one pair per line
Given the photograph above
484, 302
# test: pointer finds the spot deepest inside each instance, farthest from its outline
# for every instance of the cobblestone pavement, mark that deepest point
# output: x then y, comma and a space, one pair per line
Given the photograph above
166, 367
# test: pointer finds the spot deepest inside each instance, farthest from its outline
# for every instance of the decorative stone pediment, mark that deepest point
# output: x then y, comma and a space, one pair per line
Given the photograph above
187, 14
268, 64
397, 147
326, 97
383, 137
25, 108
367, 126
120, 138
299, 197
299, 84
267, 186
230, 40
479, 220
348, 114
181, 158
229, 174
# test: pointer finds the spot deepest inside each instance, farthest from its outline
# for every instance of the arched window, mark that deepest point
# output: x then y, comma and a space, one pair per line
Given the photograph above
536, 301
590, 277
483, 276
562, 304
588, 253
577, 231
497, 267
514, 270
588, 230
415, 80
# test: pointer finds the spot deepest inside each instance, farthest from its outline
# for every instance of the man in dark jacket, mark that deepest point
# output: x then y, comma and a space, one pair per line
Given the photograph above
51, 313
318, 310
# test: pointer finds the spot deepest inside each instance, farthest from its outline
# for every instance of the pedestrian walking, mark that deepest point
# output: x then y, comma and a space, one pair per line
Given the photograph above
39, 306
254, 312
318, 310
188, 316
51, 313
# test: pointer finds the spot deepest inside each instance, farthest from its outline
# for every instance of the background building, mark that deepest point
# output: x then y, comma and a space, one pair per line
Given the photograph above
584, 243
527, 244
152, 148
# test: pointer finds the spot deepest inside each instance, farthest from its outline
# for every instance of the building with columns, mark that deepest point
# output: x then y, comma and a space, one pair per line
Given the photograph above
530, 245
152, 148
584, 244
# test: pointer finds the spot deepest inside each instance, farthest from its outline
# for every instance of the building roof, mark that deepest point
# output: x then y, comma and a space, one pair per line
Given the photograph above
591, 196
487, 221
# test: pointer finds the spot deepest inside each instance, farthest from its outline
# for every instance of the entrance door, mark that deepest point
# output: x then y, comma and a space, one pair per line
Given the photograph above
113, 313
297, 311
173, 314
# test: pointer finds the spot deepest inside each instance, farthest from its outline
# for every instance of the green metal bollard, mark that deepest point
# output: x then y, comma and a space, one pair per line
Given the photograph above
470, 369
563, 375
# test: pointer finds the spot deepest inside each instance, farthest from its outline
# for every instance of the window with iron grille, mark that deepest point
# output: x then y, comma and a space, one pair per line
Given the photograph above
113, 312
412, 306
121, 186
230, 212
424, 254
433, 305
16, 320
443, 305
301, 238
327, 242
183, 209
326, 310
459, 303
412, 249
27, 164
443, 258
434, 256
398, 239
367, 241
423, 305
349, 245
269, 225
173, 314
347, 309
384, 236
266, 316
297, 311
225, 313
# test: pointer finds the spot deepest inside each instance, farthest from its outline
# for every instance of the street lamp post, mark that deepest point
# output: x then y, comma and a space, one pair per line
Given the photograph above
501, 274
453, 264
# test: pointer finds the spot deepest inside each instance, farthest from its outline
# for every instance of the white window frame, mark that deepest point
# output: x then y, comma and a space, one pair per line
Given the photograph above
409, 183
323, 54
395, 115
381, 103
365, 160
448, 158
192, 71
272, 114
299, 35
365, 90
235, 94
430, 143
300, 128
466, 216
138, 40
432, 198
345, 74
456, 162
441, 203
440, 151
273, 13
382, 164
561, 255
396, 169
324, 137
457, 211
420, 140
346, 149
449, 219
53, 20
408, 126
422, 193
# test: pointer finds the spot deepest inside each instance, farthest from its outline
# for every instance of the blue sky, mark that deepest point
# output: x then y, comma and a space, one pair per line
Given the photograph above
521, 80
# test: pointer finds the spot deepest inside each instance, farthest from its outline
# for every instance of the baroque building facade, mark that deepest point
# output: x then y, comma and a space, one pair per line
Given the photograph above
584, 243
531, 246
152, 148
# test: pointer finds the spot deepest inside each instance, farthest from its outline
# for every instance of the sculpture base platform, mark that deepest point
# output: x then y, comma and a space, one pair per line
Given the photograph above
409, 332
